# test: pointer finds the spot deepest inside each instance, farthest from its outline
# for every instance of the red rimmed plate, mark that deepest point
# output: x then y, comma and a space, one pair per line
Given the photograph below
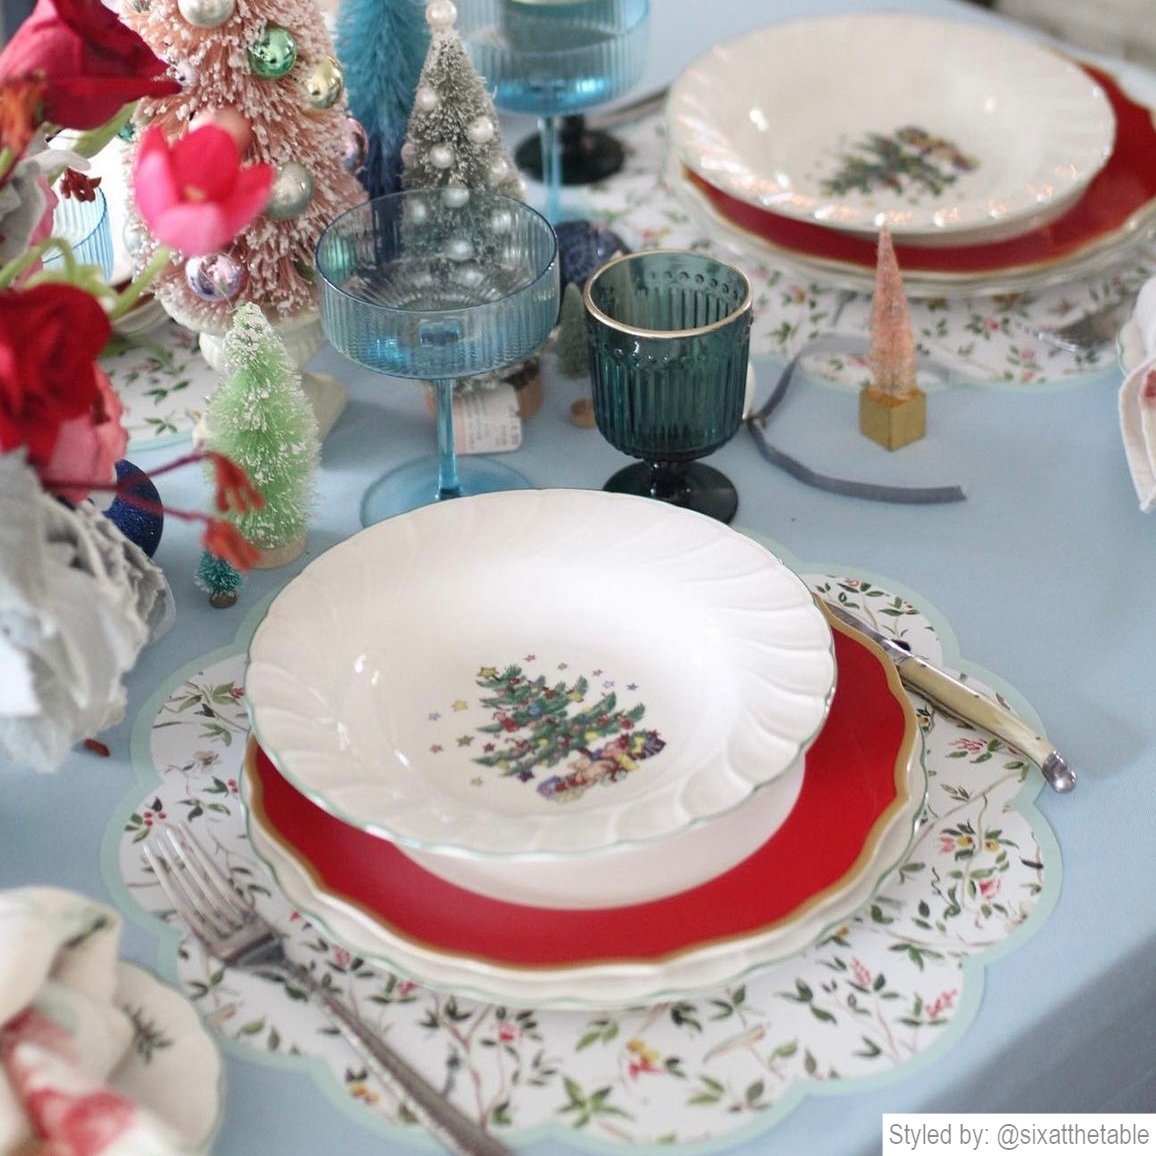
1117, 206
862, 790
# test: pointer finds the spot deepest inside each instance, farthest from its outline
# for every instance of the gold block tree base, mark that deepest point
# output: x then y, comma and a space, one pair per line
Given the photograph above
890, 421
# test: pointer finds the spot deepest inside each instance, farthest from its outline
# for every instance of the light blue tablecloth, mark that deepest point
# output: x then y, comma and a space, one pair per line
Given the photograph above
1045, 574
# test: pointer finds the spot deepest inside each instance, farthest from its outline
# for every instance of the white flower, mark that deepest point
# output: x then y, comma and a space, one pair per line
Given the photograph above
77, 604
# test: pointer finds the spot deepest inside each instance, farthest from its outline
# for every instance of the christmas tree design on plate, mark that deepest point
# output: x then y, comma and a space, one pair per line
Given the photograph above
537, 723
910, 161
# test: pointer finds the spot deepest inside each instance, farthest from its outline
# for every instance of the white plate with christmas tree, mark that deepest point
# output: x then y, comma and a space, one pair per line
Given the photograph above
852, 824
544, 675
945, 131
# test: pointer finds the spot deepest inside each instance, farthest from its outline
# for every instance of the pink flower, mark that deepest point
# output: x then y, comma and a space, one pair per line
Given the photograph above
988, 888
938, 1006
194, 194
89, 446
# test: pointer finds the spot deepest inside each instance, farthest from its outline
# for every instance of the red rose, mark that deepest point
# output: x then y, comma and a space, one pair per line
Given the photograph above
50, 338
92, 63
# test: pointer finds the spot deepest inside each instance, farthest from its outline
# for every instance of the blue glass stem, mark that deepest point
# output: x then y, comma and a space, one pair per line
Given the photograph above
551, 166
449, 485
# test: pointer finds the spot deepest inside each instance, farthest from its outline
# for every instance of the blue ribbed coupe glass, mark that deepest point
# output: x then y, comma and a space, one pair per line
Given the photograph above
669, 338
553, 58
420, 285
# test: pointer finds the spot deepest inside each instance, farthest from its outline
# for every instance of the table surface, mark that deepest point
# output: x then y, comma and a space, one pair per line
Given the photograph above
1040, 574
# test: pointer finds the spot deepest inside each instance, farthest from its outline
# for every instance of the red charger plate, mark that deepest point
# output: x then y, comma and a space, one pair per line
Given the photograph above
856, 779
1122, 188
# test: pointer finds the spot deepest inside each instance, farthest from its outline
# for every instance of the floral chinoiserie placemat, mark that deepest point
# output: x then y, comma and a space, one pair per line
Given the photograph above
162, 381
875, 998
983, 339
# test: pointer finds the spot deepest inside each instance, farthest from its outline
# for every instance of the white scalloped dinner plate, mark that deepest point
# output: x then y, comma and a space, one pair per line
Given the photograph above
539, 673
853, 823
946, 132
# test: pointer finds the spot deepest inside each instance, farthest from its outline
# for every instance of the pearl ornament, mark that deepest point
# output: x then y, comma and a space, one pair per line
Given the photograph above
206, 13
441, 156
460, 249
481, 131
441, 14
455, 196
426, 98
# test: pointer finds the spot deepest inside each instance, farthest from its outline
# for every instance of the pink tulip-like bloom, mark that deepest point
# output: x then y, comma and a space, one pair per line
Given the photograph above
194, 194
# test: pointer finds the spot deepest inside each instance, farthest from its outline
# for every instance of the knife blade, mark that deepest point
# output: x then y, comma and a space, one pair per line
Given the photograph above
958, 699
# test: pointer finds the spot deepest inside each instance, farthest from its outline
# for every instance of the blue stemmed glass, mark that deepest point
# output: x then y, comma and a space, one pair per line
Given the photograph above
423, 285
554, 58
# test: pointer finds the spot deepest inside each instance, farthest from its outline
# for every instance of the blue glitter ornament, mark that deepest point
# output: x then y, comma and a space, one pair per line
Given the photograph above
584, 247
140, 526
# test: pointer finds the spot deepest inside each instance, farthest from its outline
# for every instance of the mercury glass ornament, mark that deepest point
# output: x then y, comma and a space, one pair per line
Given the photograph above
291, 193
273, 54
215, 277
206, 13
133, 235
356, 145
324, 82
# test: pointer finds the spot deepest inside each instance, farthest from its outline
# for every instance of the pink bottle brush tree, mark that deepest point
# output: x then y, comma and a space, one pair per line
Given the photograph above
265, 73
892, 407
892, 355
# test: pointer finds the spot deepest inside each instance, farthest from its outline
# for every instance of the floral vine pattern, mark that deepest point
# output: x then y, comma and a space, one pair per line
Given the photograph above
162, 381
983, 339
868, 997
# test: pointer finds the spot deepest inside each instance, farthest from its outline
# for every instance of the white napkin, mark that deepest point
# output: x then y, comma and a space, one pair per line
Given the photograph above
1137, 401
62, 1035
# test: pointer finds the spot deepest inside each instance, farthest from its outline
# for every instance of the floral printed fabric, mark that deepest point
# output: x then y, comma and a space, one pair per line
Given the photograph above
865, 1001
62, 1034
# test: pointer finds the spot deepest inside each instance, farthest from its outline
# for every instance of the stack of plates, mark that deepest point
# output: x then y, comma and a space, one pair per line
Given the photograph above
571, 748
994, 163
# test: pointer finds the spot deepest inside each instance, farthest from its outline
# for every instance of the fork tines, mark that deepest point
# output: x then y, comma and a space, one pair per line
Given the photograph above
193, 884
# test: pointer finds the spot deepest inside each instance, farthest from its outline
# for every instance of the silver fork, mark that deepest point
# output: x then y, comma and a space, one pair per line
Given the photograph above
1092, 331
232, 931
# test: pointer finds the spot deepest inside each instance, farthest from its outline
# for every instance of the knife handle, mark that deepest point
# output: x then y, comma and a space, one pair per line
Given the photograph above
958, 699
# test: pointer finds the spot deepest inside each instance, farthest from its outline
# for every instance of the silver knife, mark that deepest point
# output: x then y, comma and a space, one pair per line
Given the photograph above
958, 699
